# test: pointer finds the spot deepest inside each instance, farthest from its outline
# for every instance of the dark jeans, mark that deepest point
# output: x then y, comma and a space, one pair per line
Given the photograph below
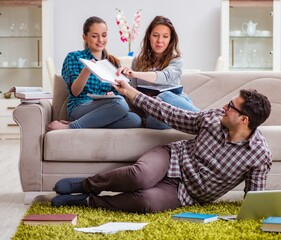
144, 185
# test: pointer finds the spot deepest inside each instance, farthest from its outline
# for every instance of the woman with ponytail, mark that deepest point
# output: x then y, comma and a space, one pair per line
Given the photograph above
83, 111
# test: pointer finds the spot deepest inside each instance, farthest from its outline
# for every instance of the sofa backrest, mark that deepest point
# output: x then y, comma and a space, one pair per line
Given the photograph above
215, 89
206, 89
60, 94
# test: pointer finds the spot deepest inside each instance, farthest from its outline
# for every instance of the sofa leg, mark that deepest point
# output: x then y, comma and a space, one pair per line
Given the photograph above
31, 197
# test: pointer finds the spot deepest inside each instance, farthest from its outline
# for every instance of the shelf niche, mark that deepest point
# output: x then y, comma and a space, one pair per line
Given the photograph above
20, 3
250, 3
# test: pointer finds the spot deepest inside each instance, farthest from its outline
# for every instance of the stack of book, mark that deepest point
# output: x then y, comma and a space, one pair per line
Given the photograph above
271, 224
30, 94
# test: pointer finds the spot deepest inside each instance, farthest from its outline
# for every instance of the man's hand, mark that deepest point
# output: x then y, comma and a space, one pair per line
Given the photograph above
125, 89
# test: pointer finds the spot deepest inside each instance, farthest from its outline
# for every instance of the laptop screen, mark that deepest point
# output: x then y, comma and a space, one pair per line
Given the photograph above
260, 204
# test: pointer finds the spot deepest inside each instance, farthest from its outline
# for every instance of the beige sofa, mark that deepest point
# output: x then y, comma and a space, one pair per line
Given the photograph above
45, 157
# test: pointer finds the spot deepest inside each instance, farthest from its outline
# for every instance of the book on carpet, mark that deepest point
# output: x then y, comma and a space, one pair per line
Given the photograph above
271, 224
30, 93
153, 90
195, 217
113, 227
104, 70
36, 219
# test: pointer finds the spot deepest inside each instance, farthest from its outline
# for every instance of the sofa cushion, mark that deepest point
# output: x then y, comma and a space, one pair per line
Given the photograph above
95, 145
120, 145
272, 136
60, 95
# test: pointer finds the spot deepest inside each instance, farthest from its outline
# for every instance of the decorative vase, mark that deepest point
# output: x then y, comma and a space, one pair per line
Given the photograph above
131, 54
126, 61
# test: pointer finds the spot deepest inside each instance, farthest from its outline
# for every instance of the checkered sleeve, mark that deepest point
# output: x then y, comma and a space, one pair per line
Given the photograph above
256, 178
70, 69
177, 118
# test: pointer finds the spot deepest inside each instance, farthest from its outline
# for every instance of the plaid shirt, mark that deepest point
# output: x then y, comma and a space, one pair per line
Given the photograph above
208, 165
71, 70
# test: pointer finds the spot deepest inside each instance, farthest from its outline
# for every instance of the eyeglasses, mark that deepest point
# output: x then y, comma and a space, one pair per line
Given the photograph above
231, 105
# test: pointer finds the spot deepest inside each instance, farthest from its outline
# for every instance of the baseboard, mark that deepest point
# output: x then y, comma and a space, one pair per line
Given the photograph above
33, 196
232, 196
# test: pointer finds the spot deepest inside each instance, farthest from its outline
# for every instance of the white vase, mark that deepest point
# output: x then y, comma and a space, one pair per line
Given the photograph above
126, 61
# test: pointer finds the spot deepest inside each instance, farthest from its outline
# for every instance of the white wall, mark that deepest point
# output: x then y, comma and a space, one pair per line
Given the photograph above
197, 24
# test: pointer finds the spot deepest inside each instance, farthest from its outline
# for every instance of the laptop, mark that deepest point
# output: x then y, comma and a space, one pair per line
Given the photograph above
258, 205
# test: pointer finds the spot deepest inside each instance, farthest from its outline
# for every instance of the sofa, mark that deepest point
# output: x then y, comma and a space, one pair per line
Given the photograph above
45, 157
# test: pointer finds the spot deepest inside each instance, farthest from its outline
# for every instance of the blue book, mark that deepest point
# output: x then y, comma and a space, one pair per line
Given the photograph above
195, 217
271, 224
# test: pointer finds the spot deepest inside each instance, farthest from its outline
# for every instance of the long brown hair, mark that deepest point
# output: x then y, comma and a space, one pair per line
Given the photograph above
146, 59
86, 28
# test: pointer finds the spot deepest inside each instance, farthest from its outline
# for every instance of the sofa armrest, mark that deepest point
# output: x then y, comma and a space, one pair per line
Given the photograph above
33, 120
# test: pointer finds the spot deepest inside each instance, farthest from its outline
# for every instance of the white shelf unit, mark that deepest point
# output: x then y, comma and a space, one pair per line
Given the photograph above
250, 52
26, 40
8, 128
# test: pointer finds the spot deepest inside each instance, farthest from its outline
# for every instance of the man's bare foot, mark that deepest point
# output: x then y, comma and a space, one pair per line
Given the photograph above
56, 125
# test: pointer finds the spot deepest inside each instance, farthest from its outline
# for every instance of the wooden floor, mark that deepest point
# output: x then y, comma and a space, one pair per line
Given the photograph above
12, 205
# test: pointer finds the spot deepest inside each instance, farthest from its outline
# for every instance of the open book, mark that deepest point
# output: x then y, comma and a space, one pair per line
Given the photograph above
30, 93
153, 90
104, 70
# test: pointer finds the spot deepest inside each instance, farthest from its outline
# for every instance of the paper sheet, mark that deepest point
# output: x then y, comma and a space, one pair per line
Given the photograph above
113, 227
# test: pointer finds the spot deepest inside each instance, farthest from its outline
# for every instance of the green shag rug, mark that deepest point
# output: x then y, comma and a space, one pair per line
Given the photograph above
160, 226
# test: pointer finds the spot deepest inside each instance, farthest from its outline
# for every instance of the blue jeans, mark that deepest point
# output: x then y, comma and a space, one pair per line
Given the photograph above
178, 100
105, 113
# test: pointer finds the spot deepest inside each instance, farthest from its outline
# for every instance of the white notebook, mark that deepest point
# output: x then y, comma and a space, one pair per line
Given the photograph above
104, 70
98, 97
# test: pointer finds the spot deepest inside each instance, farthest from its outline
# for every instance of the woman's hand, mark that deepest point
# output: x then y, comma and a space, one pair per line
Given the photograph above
149, 76
128, 72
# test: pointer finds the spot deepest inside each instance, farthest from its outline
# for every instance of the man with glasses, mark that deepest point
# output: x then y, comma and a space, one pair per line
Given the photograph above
228, 149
